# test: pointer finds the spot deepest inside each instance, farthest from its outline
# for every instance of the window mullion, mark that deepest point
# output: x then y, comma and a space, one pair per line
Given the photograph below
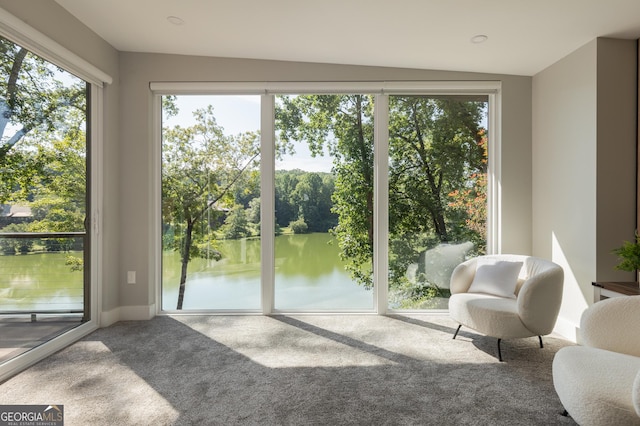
267, 201
381, 202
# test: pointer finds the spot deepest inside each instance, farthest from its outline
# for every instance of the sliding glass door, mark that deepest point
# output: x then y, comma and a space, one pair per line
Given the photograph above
44, 200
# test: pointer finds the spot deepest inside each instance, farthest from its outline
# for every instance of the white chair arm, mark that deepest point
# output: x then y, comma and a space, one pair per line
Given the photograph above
539, 300
462, 276
613, 324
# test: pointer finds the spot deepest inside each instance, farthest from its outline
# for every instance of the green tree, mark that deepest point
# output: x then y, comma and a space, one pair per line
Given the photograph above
433, 143
202, 168
434, 150
471, 201
236, 224
299, 226
58, 192
285, 184
253, 212
312, 196
34, 99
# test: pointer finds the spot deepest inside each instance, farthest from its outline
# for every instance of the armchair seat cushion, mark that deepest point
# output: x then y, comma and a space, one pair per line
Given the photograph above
595, 385
493, 315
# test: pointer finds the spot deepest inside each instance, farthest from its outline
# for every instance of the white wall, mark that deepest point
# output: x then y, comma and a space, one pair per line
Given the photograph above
583, 158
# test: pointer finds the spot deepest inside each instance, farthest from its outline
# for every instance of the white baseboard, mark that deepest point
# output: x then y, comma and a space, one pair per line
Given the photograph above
127, 313
567, 329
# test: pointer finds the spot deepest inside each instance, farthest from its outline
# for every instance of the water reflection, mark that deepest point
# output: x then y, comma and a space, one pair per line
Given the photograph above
308, 275
40, 281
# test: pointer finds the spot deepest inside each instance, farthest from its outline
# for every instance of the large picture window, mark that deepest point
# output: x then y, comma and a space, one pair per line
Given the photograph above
437, 194
211, 203
324, 202
375, 195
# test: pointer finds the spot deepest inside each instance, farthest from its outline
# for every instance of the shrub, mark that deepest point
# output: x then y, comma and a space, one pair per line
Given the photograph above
299, 226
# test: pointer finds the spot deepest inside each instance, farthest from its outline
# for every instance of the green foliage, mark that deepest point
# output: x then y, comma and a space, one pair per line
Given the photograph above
59, 198
435, 149
305, 194
11, 246
34, 101
76, 263
208, 250
423, 296
236, 224
299, 226
253, 212
202, 167
629, 255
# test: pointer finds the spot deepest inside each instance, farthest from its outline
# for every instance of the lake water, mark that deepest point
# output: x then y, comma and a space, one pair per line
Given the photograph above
309, 275
39, 281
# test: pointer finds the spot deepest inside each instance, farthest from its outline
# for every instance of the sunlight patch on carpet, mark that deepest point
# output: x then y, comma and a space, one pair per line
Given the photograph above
263, 340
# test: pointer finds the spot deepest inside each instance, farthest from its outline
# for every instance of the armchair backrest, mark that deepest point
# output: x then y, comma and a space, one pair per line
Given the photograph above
613, 324
463, 274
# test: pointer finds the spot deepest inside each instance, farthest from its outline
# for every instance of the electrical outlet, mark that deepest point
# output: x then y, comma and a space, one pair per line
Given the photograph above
131, 277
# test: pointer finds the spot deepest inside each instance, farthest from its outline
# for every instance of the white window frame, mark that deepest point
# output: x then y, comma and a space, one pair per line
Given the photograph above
381, 90
26, 36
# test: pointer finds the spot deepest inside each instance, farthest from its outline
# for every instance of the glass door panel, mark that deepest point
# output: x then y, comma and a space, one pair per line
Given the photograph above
437, 194
211, 203
44, 243
324, 203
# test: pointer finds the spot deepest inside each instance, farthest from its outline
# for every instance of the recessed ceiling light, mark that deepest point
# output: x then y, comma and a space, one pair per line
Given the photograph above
480, 38
175, 20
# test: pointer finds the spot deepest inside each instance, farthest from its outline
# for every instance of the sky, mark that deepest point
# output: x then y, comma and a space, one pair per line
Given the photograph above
241, 113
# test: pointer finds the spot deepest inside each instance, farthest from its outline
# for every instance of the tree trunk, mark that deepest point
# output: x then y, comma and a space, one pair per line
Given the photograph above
440, 225
185, 263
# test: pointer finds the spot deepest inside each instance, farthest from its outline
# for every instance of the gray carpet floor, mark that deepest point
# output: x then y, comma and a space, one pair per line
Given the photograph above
294, 370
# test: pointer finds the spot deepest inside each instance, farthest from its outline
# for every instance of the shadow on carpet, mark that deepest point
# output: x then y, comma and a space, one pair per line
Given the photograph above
295, 370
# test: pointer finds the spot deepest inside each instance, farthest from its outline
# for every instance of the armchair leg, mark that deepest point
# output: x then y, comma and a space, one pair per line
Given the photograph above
565, 413
456, 333
499, 351
540, 338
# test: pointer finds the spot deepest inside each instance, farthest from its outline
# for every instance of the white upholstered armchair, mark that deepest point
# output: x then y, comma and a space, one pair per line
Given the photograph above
598, 382
506, 296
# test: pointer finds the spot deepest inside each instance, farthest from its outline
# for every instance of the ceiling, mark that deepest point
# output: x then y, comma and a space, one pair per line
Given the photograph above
524, 37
